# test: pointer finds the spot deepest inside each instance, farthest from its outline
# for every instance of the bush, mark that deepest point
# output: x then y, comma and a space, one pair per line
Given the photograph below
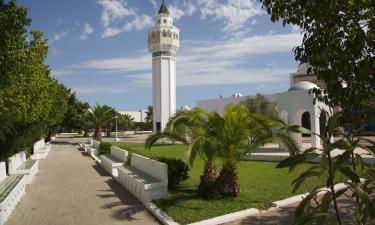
104, 148
178, 171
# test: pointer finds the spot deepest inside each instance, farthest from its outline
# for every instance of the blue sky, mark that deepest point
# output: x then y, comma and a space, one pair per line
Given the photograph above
98, 48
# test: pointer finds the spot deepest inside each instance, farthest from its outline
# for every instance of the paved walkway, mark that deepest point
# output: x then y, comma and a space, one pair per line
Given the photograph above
285, 215
71, 189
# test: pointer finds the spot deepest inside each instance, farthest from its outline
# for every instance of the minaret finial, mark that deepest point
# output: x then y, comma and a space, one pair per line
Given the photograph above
163, 8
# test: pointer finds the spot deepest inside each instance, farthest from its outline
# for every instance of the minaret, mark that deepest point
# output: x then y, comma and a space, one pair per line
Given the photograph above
163, 42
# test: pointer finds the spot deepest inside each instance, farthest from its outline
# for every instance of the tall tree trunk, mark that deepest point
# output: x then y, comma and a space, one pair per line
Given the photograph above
208, 179
98, 134
227, 183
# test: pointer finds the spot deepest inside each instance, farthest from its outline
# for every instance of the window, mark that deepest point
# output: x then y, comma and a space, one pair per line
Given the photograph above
164, 21
164, 33
153, 35
158, 22
169, 33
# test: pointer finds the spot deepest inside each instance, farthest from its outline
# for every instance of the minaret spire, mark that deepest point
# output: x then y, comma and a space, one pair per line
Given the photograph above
163, 9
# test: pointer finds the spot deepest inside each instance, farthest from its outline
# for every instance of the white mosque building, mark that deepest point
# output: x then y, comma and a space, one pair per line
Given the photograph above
294, 106
163, 43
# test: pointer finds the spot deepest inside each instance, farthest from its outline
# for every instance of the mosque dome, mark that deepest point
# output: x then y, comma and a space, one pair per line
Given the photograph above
303, 85
237, 95
185, 108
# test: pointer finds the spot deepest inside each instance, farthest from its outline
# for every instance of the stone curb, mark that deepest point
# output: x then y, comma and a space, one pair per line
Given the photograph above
228, 217
298, 198
160, 214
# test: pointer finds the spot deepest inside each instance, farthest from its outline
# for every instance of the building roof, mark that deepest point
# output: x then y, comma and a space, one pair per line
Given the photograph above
237, 95
163, 9
303, 85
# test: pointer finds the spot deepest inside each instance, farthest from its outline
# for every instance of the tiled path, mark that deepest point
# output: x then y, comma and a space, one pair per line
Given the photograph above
71, 189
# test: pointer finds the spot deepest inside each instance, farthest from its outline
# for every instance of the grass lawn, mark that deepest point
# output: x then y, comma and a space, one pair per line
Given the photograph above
260, 182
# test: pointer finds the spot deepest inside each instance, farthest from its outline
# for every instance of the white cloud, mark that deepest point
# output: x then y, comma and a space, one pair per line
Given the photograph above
113, 10
59, 36
188, 8
118, 17
205, 62
153, 2
87, 29
235, 13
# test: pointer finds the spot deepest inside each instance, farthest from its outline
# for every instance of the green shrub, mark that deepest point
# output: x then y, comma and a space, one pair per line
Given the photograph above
104, 148
178, 171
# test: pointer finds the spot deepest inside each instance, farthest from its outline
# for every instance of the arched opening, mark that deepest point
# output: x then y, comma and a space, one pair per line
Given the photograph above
306, 123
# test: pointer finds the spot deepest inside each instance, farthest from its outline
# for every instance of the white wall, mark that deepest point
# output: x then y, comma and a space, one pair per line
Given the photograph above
139, 116
218, 105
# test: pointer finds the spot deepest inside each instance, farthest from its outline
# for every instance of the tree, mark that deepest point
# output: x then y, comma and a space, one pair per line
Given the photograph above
149, 114
126, 122
261, 105
27, 91
211, 136
191, 128
339, 50
314, 210
76, 114
98, 118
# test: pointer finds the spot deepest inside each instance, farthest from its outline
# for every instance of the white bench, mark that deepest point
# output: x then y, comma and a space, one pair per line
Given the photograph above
145, 178
18, 164
115, 159
93, 149
41, 149
12, 188
87, 143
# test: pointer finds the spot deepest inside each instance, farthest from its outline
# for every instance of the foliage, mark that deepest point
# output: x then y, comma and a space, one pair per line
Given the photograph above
75, 117
149, 115
125, 122
211, 136
311, 210
104, 148
339, 50
98, 118
178, 171
260, 105
32, 103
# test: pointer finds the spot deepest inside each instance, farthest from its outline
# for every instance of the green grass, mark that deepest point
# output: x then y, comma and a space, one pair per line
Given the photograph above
261, 184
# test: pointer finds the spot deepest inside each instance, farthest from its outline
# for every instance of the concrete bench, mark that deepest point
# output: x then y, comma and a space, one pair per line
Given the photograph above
145, 178
115, 159
12, 188
93, 149
87, 143
41, 149
18, 164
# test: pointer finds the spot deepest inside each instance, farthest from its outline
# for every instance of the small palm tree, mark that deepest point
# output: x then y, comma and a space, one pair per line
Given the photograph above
192, 128
98, 117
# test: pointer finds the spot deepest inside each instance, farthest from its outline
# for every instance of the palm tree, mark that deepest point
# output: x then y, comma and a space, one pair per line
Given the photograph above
98, 117
228, 137
191, 128
240, 131
149, 114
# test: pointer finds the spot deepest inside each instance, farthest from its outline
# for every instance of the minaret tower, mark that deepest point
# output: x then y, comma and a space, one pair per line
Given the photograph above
163, 42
